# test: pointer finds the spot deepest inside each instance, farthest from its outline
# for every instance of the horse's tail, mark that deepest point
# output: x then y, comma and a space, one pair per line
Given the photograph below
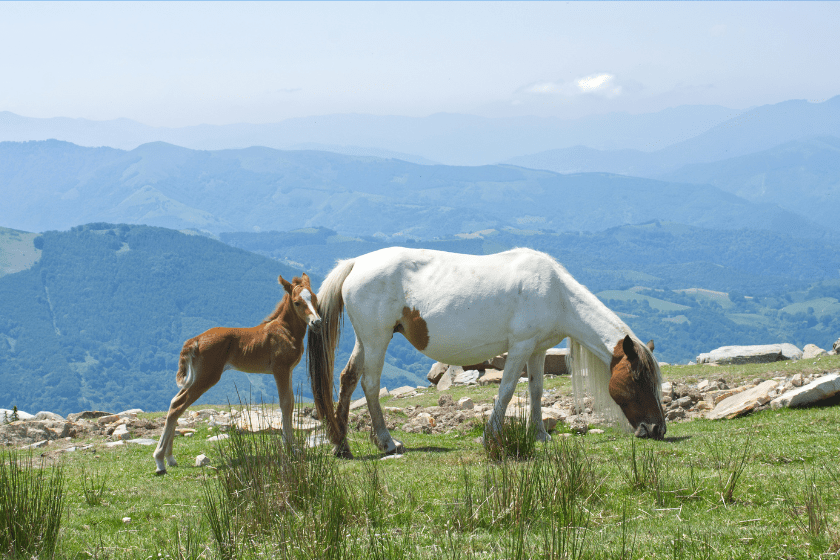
186, 369
591, 375
321, 346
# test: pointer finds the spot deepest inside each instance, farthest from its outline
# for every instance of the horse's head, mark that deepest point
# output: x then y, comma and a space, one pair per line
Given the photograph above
304, 300
635, 385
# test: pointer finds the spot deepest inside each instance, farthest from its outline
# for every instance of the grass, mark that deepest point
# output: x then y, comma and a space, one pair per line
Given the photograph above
761, 486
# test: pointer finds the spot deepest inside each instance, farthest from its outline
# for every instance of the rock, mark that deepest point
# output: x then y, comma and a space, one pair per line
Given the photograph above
218, 437
743, 355
44, 415
30, 431
578, 425
130, 412
790, 351
121, 432
596, 431
499, 362
7, 414
202, 460
667, 389
555, 361
36, 445
466, 377
796, 380
402, 391
111, 418
836, 346
490, 376
114, 443
358, 404
316, 440
446, 401
825, 387
445, 381
87, 415
383, 392
812, 351
126, 520
703, 385
465, 403
436, 372
684, 402
743, 402
142, 441
390, 457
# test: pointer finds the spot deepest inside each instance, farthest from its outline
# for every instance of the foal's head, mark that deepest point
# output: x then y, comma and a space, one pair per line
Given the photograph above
636, 386
304, 301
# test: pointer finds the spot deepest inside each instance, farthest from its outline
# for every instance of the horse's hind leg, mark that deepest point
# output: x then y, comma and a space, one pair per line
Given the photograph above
204, 379
349, 379
536, 370
374, 360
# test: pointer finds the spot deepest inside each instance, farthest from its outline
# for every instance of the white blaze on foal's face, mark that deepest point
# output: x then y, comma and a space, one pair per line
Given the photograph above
310, 313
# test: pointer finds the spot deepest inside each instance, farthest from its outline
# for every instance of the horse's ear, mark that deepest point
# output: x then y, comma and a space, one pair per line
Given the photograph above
286, 285
629, 348
305, 278
650, 345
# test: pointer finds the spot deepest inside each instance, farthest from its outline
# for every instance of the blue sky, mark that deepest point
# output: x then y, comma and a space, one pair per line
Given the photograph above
178, 64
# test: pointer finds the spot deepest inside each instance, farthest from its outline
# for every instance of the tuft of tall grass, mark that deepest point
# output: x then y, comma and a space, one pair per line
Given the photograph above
93, 487
514, 438
729, 461
31, 503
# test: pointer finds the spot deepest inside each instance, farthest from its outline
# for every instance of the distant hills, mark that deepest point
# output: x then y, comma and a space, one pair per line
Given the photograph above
56, 185
753, 131
450, 139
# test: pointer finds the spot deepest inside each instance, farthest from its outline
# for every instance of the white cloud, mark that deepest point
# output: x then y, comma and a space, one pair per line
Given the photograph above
603, 85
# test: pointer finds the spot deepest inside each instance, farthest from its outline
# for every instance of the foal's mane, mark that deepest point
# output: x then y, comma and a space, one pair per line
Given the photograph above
282, 304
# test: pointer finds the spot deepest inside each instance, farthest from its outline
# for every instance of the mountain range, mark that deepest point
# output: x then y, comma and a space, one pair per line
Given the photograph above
56, 185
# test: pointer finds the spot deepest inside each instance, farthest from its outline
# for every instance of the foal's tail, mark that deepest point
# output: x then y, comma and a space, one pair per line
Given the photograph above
321, 346
186, 370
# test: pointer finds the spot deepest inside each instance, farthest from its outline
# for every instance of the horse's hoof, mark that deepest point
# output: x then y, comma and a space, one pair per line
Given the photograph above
399, 448
160, 472
342, 451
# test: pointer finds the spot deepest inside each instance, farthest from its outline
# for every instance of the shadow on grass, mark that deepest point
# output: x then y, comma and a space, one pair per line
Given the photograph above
380, 455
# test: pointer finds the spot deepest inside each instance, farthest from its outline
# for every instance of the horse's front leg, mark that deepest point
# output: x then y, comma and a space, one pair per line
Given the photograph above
371, 375
517, 355
286, 399
536, 371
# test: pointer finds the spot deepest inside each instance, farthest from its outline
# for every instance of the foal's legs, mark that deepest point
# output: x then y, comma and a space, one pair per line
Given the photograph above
205, 377
536, 367
283, 378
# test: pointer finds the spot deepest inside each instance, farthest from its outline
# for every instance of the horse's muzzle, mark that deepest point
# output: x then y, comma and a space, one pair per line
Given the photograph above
650, 430
315, 325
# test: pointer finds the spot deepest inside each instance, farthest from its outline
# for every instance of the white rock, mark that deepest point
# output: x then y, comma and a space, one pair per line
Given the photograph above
465, 403
742, 402
121, 432
703, 385
468, 377
6, 413
114, 443
218, 437
36, 445
812, 351
358, 404
819, 389
383, 392
445, 381
402, 391
202, 460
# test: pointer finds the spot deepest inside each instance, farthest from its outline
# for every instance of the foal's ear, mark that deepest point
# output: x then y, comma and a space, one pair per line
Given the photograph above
629, 348
305, 278
286, 285
650, 345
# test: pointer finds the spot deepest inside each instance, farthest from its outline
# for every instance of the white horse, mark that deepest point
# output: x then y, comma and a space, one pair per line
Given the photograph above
463, 309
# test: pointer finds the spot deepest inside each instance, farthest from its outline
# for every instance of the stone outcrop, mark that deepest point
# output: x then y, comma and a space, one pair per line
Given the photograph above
759, 354
826, 387
812, 351
743, 402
